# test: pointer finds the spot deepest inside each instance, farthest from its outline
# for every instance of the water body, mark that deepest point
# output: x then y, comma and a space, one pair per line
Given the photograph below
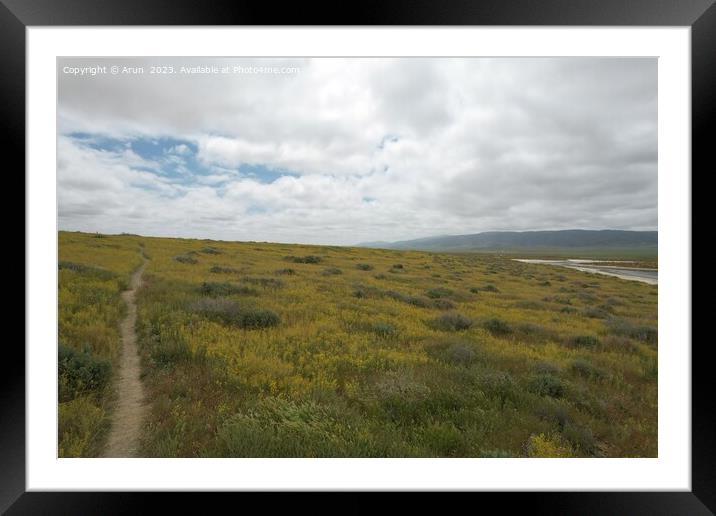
650, 276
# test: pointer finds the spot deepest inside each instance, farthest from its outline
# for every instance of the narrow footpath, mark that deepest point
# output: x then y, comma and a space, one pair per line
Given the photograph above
130, 409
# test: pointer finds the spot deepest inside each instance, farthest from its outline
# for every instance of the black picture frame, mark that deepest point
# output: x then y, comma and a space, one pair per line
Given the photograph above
700, 15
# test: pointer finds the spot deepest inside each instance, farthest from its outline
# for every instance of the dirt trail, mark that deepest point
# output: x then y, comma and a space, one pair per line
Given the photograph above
123, 439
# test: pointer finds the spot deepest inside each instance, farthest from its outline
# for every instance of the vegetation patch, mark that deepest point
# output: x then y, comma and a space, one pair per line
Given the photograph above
186, 258
439, 292
583, 341
80, 372
218, 269
268, 283
226, 289
232, 313
544, 384
497, 327
311, 258
452, 321
623, 327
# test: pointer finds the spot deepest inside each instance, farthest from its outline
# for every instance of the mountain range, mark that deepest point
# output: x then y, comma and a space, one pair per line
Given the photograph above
529, 240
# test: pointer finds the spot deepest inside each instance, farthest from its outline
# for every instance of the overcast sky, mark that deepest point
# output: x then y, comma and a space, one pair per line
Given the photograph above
342, 151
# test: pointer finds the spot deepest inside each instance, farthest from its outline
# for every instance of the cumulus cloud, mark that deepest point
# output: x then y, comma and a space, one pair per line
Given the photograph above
349, 150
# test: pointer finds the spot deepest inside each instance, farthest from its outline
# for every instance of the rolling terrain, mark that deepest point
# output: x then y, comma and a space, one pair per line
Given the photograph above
275, 350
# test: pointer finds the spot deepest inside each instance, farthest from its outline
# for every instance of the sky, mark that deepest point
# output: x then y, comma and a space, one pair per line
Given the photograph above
346, 150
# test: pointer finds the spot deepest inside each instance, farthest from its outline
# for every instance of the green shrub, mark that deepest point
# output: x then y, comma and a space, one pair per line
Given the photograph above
383, 330
80, 371
595, 313
625, 328
305, 259
286, 272
444, 440
364, 267
452, 322
79, 424
443, 304
584, 368
88, 270
490, 288
226, 289
186, 258
217, 269
583, 341
546, 385
440, 292
367, 292
497, 327
210, 250
253, 319
230, 312
332, 271
268, 283
418, 301
581, 438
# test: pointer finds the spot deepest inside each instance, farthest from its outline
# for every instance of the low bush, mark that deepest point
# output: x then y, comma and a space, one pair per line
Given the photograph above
583, 341
544, 384
443, 304
80, 372
383, 330
584, 368
625, 328
490, 288
232, 313
457, 352
440, 292
595, 313
305, 259
497, 327
286, 272
332, 271
186, 258
452, 322
210, 250
217, 269
95, 272
226, 289
364, 267
367, 292
80, 422
268, 283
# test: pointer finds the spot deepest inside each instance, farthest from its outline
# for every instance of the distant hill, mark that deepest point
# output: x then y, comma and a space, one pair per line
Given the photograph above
530, 240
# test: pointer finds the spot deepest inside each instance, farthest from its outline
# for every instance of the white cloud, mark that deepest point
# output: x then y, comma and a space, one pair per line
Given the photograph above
439, 145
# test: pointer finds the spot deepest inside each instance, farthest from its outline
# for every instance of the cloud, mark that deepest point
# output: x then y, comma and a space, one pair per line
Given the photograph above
437, 145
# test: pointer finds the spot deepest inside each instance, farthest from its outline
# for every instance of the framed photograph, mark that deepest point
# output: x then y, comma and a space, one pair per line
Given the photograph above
413, 249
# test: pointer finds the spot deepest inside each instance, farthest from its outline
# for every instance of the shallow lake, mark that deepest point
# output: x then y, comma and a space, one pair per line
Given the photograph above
650, 276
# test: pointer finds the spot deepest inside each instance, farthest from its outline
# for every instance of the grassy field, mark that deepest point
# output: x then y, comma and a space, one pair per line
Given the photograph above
273, 350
